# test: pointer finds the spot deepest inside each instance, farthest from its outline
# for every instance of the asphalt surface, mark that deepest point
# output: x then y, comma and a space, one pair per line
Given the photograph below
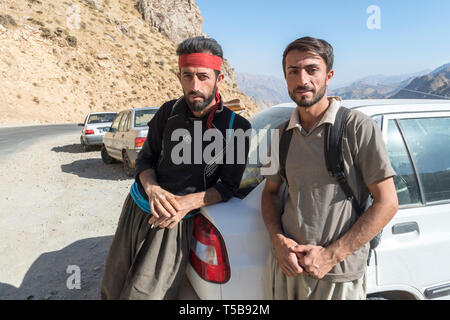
13, 139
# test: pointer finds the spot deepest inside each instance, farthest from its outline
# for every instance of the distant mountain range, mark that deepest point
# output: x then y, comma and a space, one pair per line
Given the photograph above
435, 85
267, 91
376, 86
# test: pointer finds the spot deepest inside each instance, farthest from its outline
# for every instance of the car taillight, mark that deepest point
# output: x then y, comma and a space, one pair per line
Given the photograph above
209, 256
89, 131
139, 142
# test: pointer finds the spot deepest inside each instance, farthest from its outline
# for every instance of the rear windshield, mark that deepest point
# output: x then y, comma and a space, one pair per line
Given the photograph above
101, 118
267, 119
142, 117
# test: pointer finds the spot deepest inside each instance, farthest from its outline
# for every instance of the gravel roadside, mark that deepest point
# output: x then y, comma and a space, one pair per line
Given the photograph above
59, 208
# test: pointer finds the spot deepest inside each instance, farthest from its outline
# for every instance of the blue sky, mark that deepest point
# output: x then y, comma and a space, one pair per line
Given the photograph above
413, 35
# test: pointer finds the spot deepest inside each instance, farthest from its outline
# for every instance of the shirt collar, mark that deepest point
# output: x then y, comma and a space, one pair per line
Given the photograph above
328, 117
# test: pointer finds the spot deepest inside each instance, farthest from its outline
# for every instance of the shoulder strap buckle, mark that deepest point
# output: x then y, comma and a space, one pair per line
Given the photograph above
339, 175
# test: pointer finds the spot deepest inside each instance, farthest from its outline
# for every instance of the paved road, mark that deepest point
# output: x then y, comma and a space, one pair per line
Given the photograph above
13, 139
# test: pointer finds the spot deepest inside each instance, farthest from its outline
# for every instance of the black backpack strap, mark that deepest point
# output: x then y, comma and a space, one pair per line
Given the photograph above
334, 157
169, 116
334, 154
173, 107
285, 141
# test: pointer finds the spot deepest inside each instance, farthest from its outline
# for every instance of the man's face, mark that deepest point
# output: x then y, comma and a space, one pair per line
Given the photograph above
306, 77
199, 86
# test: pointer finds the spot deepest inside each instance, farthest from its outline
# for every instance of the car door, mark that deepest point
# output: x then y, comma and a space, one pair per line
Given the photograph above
111, 136
129, 133
415, 247
121, 138
84, 124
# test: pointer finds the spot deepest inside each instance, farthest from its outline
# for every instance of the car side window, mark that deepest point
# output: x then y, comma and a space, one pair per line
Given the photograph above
378, 120
123, 122
405, 181
128, 124
429, 142
115, 124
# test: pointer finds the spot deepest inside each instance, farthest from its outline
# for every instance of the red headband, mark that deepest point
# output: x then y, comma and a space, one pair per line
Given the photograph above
203, 60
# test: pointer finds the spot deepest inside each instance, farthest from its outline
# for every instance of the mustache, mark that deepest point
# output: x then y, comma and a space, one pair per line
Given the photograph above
304, 88
196, 93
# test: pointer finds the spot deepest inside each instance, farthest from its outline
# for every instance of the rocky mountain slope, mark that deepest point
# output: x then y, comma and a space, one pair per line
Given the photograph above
435, 85
176, 19
60, 60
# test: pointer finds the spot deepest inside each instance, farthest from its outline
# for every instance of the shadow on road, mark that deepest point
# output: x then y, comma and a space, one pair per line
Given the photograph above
95, 169
48, 276
74, 148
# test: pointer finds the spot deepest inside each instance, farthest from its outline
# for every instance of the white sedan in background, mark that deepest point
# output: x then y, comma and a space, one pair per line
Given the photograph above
124, 139
94, 128
411, 262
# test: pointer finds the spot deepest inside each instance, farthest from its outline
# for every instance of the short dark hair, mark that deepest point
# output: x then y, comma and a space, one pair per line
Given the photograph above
200, 44
318, 46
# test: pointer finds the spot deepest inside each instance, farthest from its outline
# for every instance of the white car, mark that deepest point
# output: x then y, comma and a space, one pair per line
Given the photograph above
413, 259
124, 139
94, 128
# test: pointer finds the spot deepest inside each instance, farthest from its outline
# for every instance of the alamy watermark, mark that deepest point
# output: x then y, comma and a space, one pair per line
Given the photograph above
74, 280
374, 20
229, 150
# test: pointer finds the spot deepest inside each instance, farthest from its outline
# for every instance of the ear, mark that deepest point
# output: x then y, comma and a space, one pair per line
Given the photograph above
220, 78
330, 76
179, 75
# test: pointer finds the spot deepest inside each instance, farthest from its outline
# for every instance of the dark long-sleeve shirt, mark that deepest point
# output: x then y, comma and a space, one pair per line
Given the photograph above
162, 154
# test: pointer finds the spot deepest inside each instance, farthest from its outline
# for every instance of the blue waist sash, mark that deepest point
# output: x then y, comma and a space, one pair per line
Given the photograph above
144, 204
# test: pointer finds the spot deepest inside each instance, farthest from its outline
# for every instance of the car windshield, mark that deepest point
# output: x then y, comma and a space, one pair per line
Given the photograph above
101, 118
142, 117
262, 123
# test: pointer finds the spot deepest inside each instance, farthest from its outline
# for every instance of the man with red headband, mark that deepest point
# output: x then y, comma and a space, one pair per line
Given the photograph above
150, 250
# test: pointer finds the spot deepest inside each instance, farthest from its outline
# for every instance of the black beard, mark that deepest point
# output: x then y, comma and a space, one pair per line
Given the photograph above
305, 103
198, 106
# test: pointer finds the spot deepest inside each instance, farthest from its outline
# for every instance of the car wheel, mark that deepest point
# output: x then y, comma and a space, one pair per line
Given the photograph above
105, 156
86, 148
129, 171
